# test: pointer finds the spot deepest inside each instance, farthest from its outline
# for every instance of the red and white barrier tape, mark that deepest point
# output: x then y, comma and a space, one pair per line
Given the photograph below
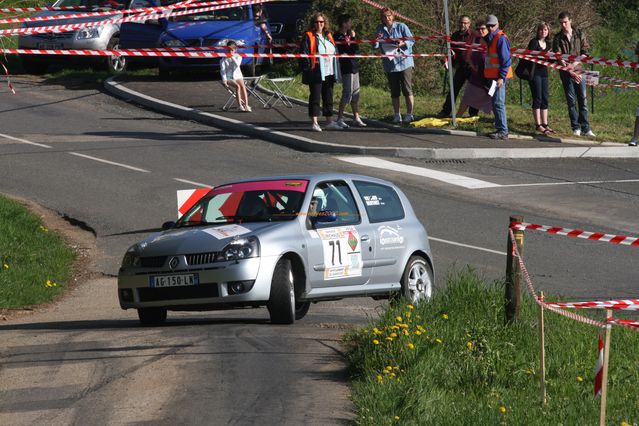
40, 9
573, 58
626, 323
6, 73
576, 233
622, 304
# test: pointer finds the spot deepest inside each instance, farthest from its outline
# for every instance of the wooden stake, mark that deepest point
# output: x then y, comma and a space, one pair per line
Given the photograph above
513, 274
604, 375
542, 353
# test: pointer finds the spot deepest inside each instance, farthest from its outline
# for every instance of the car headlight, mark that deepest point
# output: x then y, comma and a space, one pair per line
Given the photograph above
242, 248
132, 255
86, 33
173, 42
224, 41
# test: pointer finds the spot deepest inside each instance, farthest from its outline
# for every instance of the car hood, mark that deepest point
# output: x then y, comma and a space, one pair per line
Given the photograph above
201, 239
207, 30
68, 21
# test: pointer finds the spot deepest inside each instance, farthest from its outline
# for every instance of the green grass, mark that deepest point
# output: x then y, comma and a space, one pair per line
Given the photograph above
467, 364
30, 256
613, 119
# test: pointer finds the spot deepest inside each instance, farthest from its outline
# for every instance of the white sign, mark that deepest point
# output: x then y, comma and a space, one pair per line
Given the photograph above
592, 80
342, 252
226, 231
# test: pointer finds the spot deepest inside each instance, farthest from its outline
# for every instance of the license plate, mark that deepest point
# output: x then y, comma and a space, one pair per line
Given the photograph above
181, 280
279, 41
50, 46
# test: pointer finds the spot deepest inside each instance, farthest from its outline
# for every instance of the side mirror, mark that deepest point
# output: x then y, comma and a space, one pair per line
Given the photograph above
326, 216
168, 225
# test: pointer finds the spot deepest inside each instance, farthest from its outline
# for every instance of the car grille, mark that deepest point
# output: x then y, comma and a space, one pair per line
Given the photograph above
178, 293
55, 36
152, 262
200, 258
201, 42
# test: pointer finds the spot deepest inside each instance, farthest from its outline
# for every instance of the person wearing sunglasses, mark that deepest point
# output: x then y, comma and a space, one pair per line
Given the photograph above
497, 68
320, 72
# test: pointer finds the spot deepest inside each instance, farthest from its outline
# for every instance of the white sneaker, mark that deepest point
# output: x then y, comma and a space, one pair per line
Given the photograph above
576, 132
341, 124
358, 123
333, 125
633, 142
408, 118
397, 119
589, 133
316, 127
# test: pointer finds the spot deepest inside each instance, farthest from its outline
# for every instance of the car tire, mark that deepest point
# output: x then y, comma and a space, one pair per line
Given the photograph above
164, 73
301, 309
417, 280
115, 64
281, 302
34, 65
152, 316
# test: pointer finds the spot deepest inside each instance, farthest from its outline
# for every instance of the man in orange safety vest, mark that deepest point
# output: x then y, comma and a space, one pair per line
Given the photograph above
498, 70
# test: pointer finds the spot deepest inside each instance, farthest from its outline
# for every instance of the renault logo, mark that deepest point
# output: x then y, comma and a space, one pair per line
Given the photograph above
174, 262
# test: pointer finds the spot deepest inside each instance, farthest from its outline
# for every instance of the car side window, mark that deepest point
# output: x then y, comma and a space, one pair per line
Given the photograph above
381, 202
139, 4
334, 196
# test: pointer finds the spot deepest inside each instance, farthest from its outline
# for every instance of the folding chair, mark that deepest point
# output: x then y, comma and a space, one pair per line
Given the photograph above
278, 86
252, 84
231, 100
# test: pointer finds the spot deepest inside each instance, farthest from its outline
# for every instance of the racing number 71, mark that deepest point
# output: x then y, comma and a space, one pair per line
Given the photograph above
339, 251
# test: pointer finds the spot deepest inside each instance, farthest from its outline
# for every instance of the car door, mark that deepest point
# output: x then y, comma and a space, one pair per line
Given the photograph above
340, 252
385, 214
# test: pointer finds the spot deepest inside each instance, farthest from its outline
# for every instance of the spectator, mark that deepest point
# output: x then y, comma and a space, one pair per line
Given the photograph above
571, 41
635, 136
461, 68
399, 70
349, 68
497, 68
539, 82
232, 76
262, 22
476, 93
319, 72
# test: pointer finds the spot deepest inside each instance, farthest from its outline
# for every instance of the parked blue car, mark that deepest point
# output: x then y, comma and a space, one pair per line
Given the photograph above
213, 28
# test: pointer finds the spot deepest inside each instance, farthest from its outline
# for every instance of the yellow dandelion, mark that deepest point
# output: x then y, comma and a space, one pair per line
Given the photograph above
469, 345
410, 306
530, 371
419, 333
623, 423
403, 325
468, 334
394, 327
411, 346
396, 417
396, 367
380, 378
375, 342
445, 316
392, 374
43, 229
390, 339
376, 331
502, 409
580, 379
388, 367
399, 319
405, 332
393, 335
438, 340
5, 266
408, 315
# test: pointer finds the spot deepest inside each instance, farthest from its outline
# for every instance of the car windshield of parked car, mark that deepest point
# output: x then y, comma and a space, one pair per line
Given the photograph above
229, 14
260, 201
94, 4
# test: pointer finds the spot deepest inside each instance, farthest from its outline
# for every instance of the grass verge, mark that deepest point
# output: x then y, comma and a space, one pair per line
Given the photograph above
35, 264
453, 361
613, 119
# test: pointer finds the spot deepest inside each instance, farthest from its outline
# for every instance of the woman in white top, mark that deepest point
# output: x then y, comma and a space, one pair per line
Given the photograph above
232, 75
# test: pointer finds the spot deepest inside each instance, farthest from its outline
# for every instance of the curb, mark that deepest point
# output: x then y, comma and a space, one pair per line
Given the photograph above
310, 145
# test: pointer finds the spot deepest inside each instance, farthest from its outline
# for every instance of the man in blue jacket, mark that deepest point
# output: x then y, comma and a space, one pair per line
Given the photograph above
399, 69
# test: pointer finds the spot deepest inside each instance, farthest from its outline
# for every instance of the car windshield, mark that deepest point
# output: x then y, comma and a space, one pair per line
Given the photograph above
228, 14
94, 4
259, 201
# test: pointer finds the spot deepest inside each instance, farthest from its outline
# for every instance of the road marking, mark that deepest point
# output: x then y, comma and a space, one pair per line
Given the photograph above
587, 182
453, 179
41, 145
77, 154
190, 182
454, 243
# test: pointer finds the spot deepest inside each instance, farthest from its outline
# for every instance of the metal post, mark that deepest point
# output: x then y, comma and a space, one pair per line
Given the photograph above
453, 110
513, 274
592, 93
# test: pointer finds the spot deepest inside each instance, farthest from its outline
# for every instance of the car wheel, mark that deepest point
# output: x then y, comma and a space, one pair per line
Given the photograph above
281, 302
417, 280
164, 73
301, 309
152, 316
34, 65
115, 64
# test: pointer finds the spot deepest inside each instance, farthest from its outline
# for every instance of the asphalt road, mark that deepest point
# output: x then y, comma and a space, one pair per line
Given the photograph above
115, 168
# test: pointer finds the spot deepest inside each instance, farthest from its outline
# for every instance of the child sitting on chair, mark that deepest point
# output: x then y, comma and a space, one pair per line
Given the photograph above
232, 75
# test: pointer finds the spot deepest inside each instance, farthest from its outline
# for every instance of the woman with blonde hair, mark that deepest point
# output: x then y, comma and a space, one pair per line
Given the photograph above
320, 72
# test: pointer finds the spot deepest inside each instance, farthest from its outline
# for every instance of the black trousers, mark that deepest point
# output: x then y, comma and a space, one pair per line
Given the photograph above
460, 76
539, 91
324, 91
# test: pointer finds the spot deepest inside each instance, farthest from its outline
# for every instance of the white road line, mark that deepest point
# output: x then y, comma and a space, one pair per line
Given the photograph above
439, 240
41, 145
446, 177
190, 182
77, 154
588, 182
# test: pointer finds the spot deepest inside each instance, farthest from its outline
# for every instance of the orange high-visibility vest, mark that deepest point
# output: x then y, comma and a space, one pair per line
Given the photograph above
491, 64
313, 39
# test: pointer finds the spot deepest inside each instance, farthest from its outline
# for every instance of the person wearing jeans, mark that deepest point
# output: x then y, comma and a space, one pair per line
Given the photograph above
497, 68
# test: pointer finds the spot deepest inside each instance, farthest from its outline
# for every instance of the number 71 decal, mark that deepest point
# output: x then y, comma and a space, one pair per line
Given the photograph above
342, 254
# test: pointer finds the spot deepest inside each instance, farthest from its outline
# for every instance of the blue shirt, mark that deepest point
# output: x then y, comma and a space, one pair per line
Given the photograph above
397, 30
503, 51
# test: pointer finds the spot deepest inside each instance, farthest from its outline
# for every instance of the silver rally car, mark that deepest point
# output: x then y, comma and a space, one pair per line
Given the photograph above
281, 242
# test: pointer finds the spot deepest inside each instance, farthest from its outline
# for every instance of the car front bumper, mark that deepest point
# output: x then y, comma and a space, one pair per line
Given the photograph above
212, 292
